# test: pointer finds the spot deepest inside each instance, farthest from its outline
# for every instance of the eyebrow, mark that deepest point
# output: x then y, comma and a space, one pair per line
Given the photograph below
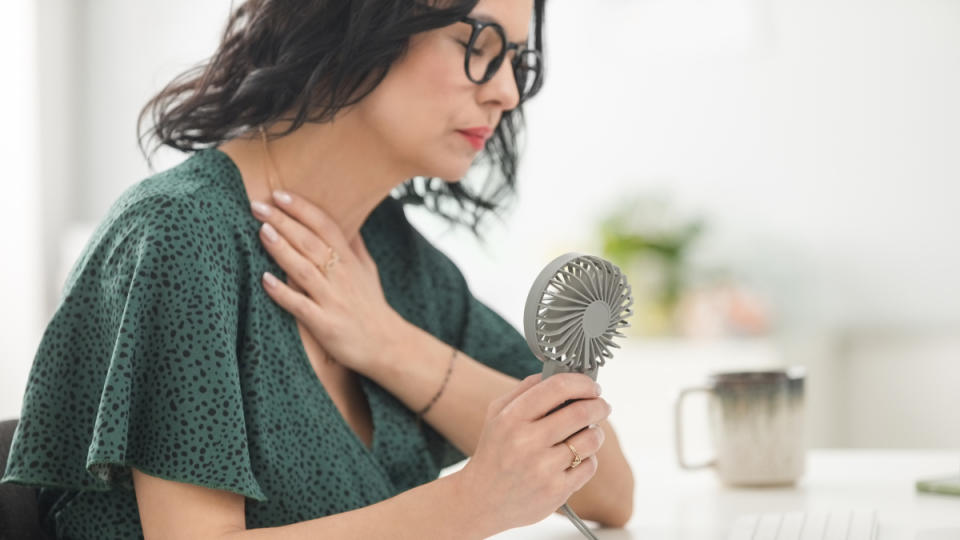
487, 18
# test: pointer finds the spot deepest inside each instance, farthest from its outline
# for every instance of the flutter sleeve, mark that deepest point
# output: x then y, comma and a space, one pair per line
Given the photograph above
138, 365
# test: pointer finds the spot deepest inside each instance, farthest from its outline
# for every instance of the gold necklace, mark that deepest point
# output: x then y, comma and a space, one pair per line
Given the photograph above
328, 358
272, 167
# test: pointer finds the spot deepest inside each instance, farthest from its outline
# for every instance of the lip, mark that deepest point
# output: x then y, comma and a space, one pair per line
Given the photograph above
476, 136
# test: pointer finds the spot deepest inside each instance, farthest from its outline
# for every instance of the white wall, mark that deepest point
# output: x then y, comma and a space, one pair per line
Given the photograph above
20, 243
130, 51
822, 141
82, 70
880, 407
819, 137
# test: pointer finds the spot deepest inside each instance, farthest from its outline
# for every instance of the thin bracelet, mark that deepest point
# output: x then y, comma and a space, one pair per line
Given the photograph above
444, 385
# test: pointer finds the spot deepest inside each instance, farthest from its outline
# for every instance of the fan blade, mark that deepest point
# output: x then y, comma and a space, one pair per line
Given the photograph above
560, 296
562, 318
577, 291
554, 307
571, 344
560, 330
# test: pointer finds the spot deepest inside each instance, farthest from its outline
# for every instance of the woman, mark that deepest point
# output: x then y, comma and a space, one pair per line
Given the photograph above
256, 344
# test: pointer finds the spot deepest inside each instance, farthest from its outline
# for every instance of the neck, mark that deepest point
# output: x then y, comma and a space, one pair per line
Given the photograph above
335, 166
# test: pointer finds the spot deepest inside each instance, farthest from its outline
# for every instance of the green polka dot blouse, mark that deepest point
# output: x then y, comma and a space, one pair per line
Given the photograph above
166, 354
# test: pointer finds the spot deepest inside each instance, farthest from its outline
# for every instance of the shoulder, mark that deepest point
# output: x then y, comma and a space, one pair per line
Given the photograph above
198, 191
187, 216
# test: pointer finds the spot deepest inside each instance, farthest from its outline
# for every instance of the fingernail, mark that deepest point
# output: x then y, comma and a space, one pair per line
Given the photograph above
260, 209
270, 280
282, 197
598, 389
270, 232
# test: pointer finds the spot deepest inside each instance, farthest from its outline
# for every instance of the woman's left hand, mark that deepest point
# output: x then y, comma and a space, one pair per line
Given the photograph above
334, 289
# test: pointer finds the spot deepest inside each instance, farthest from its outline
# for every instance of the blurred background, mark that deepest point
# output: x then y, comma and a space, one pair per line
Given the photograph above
778, 178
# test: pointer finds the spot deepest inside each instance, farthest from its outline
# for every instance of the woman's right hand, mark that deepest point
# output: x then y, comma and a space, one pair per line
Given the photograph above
520, 471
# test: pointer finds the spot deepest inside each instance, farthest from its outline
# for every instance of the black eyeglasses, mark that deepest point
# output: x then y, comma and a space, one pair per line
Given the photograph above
486, 50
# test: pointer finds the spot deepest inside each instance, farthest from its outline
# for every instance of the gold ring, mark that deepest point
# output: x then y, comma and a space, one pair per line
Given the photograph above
576, 457
332, 260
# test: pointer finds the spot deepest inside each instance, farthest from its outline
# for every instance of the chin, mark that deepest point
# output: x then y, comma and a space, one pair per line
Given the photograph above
449, 172
448, 163
452, 179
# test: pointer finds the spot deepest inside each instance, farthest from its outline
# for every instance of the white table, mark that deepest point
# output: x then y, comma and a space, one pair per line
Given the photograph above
669, 503
673, 504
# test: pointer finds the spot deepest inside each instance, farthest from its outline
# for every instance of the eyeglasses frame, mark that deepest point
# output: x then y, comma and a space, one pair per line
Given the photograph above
476, 27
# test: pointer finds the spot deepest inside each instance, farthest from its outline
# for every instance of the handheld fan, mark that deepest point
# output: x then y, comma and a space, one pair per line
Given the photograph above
577, 305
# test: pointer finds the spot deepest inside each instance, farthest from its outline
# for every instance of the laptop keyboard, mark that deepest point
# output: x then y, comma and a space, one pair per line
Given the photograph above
834, 525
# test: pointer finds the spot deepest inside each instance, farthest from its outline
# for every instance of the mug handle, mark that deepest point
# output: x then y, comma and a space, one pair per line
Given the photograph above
678, 429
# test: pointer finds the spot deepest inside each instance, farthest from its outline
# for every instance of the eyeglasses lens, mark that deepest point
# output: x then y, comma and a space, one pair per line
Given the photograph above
527, 72
486, 55
487, 48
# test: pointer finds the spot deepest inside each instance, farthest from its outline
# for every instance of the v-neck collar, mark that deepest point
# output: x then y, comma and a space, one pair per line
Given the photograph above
377, 410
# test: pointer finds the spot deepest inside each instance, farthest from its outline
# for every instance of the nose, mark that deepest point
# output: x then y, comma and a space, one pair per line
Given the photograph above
502, 87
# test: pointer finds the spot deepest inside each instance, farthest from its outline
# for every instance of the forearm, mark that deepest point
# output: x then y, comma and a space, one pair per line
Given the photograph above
415, 372
440, 509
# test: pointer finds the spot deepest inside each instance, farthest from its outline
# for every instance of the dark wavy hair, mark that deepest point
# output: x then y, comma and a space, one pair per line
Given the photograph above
316, 57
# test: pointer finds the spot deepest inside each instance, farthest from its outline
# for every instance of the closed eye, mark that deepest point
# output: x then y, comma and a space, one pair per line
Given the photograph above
472, 51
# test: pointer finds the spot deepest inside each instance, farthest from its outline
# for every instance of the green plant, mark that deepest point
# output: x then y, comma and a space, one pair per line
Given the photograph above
645, 237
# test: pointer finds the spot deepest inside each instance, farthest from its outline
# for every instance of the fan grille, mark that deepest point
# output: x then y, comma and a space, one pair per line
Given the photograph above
582, 308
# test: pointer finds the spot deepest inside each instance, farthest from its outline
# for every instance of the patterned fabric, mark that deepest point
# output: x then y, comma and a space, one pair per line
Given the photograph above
166, 354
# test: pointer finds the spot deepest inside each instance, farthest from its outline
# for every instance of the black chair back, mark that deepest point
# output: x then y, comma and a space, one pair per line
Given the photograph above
19, 517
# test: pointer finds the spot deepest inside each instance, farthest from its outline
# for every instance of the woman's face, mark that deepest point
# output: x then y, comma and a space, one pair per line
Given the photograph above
426, 97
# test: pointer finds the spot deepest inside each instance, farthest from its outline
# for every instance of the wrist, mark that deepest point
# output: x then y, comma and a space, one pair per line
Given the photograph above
478, 516
396, 337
